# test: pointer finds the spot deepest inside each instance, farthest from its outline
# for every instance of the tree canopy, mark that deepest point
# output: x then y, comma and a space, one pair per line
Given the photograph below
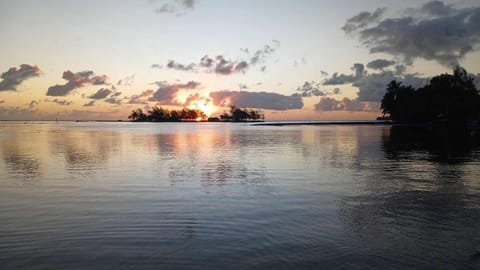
239, 115
159, 114
447, 97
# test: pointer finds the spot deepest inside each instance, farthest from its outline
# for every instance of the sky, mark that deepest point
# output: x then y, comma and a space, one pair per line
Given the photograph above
295, 60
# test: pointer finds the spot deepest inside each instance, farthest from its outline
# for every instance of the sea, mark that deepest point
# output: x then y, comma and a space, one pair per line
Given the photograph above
121, 195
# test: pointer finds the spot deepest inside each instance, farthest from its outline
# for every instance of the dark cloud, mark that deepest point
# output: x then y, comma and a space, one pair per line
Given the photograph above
310, 89
476, 79
380, 64
323, 73
62, 102
400, 69
372, 86
336, 79
206, 62
166, 93
346, 104
259, 100
157, 66
227, 67
435, 31
76, 80
438, 8
362, 19
177, 7
140, 98
127, 80
260, 55
188, 3
89, 104
33, 105
221, 65
101, 93
14, 76
175, 65
242, 86
2, 101
113, 100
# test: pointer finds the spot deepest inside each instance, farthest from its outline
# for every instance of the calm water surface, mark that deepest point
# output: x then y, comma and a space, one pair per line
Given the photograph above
228, 196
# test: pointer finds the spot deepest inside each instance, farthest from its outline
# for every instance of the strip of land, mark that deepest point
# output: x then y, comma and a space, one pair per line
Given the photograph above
315, 123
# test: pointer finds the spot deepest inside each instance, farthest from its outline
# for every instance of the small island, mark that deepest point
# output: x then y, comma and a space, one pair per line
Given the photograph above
450, 99
159, 114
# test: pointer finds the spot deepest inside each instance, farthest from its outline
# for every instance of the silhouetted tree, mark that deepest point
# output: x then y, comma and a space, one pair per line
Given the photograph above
159, 114
138, 115
238, 115
447, 97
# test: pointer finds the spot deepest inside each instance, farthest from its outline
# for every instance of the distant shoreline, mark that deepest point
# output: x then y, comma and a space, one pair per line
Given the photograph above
254, 123
315, 123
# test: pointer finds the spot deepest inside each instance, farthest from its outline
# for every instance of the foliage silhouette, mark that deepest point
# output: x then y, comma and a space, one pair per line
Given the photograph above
241, 115
451, 98
159, 114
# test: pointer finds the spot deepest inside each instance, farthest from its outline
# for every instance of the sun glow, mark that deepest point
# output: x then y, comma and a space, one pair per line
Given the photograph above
204, 105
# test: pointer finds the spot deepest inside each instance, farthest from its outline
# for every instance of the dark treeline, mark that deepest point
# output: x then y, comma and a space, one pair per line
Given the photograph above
159, 114
240, 115
451, 98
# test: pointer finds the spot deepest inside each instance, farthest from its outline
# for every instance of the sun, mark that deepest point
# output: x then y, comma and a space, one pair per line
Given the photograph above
204, 105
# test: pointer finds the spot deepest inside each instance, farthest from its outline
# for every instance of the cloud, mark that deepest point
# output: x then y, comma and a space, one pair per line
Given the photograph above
76, 80
59, 102
18, 113
310, 89
476, 79
380, 64
437, 8
346, 104
2, 101
14, 76
89, 104
101, 93
221, 65
140, 98
178, 7
33, 105
195, 99
157, 66
372, 86
166, 93
362, 19
259, 100
336, 79
435, 31
127, 80
174, 65
113, 100
226, 67
260, 55
206, 61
